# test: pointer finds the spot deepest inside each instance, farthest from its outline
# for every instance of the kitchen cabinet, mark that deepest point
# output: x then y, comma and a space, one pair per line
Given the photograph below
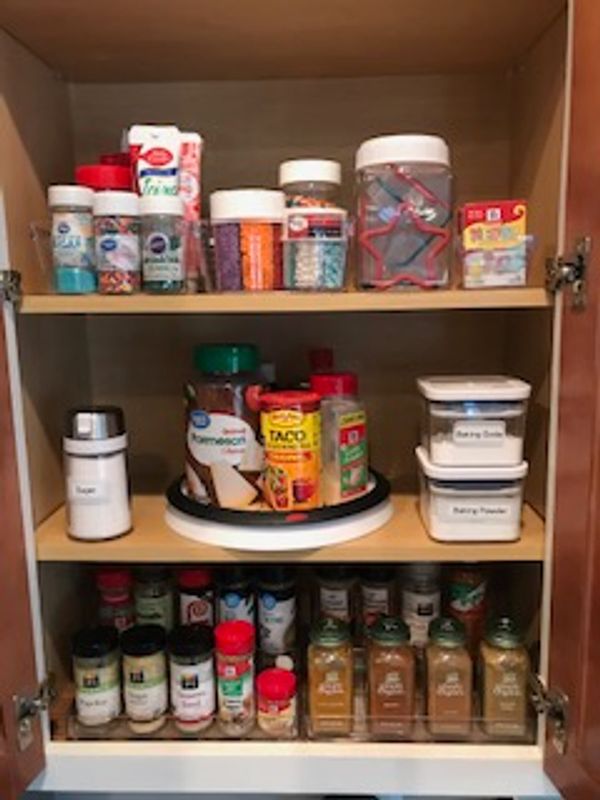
514, 90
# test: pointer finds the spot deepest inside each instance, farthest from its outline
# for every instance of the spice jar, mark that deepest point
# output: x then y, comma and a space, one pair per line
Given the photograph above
162, 243
315, 244
116, 606
391, 678
117, 237
95, 463
235, 677
247, 233
420, 599
145, 677
291, 429
449, 679
311, 182
345, 469
467, 602
72, 239
336, 593
236, 595
504, 681
277, 610
192, 677
276, 695
377, 593
223, 457
330, 678
196, 597
96, 673
154, 597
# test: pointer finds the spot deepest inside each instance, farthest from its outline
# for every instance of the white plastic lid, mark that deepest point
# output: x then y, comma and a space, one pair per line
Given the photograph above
161, 204
310, 169
509, 473
79, 196
228, 205
403, 149
457, 388
112, 202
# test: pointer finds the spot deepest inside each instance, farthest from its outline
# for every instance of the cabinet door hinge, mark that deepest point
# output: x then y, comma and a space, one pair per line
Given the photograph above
554, 703
571, 271
10, 285
28, 707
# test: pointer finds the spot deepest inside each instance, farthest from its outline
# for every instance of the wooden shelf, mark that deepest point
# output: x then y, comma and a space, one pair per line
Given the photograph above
402, 539
286, 302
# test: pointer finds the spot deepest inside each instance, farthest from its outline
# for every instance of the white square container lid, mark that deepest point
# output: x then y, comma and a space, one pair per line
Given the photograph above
457, 388
510, 473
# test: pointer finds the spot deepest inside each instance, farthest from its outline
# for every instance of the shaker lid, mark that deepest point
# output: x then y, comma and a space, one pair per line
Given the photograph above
447, 632
504, 633
389, 631
95, 423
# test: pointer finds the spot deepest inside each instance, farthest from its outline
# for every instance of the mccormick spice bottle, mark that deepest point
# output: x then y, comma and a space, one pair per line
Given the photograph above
223, 457
391, 676
467, 602
504, 679
196, 597
449, 679
276, 690
330, 678
235, 677
116, 606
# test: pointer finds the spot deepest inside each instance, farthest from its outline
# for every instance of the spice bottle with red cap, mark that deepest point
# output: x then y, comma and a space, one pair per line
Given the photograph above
235, 642
116, 607
276, 690
196, 596
344, 454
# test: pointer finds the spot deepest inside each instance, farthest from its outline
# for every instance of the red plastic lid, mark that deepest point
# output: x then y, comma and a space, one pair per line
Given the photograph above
116, 159
197, 578
320, 359
103, 176
113, 578
235, 638
327, 384
276, 684
294, 399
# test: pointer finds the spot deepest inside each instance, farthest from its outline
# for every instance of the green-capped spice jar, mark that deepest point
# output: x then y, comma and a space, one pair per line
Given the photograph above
330, 678
96, 672
391, 678
449, 679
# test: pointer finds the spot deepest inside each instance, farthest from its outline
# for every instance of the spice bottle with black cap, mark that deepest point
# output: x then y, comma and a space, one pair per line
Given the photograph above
191, 669
96, 672
145, 677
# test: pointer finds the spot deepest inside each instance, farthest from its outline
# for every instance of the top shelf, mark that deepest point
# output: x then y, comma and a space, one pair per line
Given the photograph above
287, 302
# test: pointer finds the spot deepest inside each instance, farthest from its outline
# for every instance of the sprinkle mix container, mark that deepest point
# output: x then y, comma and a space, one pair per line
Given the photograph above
314, 248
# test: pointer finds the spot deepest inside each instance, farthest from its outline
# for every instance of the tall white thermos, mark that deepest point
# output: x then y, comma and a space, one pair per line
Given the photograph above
95, 457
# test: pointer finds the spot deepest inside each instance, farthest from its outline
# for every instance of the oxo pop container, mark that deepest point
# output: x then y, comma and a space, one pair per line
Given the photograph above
404, 213
473, 420
471, 504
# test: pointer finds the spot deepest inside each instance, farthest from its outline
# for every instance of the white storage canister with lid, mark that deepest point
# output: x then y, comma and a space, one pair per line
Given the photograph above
311, 181
97, 489
471, 504
476, 420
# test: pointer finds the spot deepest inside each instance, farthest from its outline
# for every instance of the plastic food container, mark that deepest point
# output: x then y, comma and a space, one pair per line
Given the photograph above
247, 233
314, 248
404, 212
471, 504
311, 182
72, 239
474, 420
117, 237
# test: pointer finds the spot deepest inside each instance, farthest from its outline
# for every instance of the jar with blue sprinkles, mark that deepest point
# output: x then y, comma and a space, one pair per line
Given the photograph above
72, 239
315, 243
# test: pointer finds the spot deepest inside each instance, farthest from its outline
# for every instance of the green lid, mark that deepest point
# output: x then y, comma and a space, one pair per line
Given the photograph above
447, 632
330, 632
504, 633
389, 631
226, 359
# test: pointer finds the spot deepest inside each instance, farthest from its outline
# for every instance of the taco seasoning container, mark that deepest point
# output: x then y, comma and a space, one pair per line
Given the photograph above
345, 464
467, 602
223, 457
235, 593
330, 678
145, 677
504, 681
116, 607
72, 239
196, 597
277, 610
391, 678
154, 597
291, 429
377, 594
336, 593
96, 672
311, 182
247, 233
421, 599
192, 677
235, 677
162, 244
276, 698
95, 463
449, 679
117, 237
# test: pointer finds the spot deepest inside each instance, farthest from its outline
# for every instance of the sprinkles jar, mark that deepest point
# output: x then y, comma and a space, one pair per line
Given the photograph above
247, 233
117, 236
315, 247
311, 182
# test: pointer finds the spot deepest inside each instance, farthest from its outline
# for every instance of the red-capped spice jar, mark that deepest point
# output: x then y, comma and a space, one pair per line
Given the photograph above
291, 428
116, 608
235, 642
467, 602
104, 176
196, 596
276, 690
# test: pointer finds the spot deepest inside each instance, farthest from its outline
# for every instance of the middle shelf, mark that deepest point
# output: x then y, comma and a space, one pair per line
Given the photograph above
402, 539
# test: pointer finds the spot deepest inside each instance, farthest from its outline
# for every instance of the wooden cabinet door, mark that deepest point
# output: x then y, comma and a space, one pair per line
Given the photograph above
575, 620
18, 674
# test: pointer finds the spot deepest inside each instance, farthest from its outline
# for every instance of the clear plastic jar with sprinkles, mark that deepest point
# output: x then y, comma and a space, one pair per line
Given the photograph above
311, 182
315, 247
117, 236
162, 244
